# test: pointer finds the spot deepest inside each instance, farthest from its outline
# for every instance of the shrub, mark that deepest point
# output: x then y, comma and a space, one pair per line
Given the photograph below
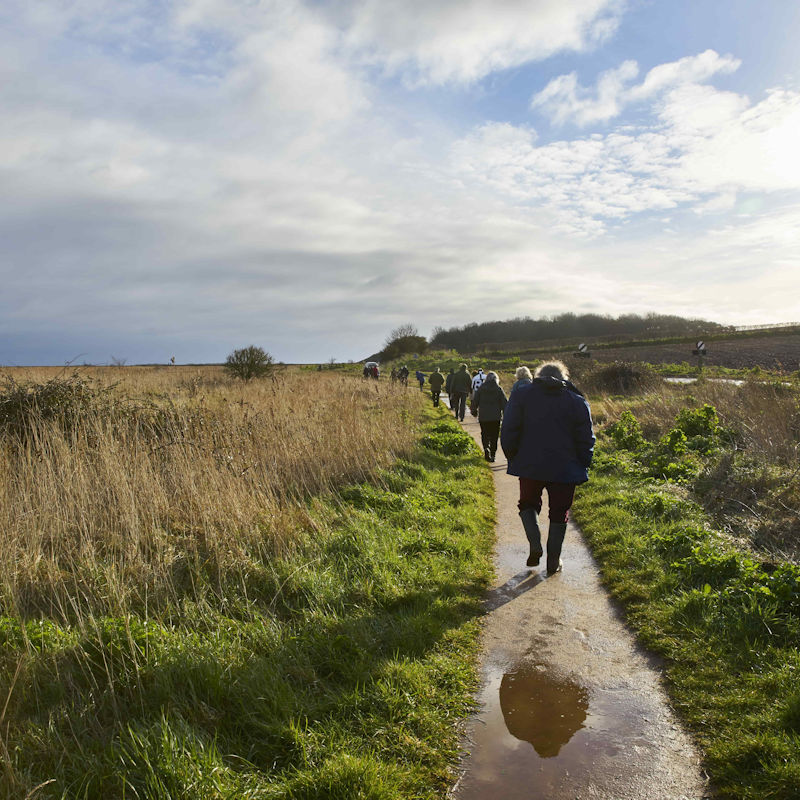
249, 362
699, 421
620, 377
626, 432
62, 400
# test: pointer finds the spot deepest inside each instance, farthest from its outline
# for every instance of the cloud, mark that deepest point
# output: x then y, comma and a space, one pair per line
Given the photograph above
564, 100
702, 148
462, 41
181, 179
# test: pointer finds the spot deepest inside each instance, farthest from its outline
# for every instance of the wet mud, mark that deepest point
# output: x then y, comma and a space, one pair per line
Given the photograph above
570, 707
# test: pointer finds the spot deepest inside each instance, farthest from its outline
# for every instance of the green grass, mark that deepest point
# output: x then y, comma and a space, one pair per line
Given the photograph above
727, 625
340, 671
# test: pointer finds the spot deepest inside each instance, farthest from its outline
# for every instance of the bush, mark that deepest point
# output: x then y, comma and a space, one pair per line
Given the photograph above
626, 432
249, 362
621, 378
63, 400
699, 421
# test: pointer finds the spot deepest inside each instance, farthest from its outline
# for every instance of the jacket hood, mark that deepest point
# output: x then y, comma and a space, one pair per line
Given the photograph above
553, 385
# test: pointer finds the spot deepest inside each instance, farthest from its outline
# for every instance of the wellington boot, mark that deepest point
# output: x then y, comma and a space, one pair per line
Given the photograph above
555, 539
530, 521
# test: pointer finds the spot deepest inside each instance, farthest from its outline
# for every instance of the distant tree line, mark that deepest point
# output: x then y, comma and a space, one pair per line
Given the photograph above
566, 326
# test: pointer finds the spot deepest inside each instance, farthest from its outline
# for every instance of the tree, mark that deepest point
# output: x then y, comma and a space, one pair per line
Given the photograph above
401, 341
401, 332
249, 362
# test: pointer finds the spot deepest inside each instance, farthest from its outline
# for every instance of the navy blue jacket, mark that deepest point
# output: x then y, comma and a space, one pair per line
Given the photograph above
547, 432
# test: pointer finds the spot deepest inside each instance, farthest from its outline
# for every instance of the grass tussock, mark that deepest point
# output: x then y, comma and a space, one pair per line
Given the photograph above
319, 645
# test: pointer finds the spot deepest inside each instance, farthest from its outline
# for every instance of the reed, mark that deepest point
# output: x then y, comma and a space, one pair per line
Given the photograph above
167, 476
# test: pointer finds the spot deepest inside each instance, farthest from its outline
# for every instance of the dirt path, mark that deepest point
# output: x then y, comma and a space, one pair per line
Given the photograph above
571, 708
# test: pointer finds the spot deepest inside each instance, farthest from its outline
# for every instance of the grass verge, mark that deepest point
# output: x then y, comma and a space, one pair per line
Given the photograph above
339, 671
727, 625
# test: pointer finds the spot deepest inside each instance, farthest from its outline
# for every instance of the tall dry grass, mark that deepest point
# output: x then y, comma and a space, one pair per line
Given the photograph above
175, 473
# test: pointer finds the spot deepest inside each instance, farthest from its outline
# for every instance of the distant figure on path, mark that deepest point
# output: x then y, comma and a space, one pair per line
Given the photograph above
448, 386
403, 375
436, 379
488, 405
523, 376
459, 389
548, 439
421, 379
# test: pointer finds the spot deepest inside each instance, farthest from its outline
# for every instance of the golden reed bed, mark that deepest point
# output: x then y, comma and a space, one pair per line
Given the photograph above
176, 470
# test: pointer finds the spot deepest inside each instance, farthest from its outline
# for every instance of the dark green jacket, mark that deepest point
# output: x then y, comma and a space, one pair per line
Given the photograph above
462, 382
436, 379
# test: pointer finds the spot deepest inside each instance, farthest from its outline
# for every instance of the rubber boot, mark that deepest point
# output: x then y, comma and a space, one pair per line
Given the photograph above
530, 521
555, 538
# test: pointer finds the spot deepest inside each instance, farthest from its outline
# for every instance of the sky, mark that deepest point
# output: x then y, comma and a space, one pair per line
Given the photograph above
182, 178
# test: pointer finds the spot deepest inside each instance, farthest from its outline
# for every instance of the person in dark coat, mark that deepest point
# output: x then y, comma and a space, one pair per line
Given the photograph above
460, 389
436, 379
488, 404
448, 386
548, 439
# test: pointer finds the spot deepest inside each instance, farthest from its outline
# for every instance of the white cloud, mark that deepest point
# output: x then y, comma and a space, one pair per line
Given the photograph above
209, 173
461, 41
704, 147
565, 100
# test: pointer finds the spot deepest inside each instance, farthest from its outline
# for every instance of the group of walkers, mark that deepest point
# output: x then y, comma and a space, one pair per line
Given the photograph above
544, 427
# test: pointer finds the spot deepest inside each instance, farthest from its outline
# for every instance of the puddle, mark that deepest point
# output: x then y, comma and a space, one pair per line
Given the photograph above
541, 710
540, 731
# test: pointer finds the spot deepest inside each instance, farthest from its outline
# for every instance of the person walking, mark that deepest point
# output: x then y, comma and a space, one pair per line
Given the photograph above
436, 379
448, 386
477, 380
460, 389
421, 379
548, 439
523, 376
488, 405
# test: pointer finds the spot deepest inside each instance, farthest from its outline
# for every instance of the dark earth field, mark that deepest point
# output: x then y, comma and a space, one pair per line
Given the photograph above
769, 352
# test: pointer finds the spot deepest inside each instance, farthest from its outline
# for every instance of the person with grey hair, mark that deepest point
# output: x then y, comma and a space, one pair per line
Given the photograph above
548, 439
488, 404
523, 376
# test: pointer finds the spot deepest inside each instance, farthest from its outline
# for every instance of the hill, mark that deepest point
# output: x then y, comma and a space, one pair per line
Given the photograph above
522, 332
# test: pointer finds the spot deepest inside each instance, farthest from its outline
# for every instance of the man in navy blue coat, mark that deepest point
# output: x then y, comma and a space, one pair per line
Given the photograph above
548, 440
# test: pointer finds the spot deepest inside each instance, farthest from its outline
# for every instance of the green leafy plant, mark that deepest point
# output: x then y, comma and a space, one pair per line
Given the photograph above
626, 432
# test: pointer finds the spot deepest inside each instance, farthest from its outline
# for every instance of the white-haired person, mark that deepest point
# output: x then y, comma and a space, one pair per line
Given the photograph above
548, 439
488, 404
522, 377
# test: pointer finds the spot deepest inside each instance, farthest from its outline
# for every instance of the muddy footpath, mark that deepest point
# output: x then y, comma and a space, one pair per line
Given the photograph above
570, 707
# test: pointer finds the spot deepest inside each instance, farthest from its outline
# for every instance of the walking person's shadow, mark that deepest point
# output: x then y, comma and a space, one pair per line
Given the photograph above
521, 582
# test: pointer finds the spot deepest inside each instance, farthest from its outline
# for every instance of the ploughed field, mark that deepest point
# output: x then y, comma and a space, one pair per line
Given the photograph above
769, 352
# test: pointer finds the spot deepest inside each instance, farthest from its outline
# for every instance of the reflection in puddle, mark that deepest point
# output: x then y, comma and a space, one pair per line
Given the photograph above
541, 709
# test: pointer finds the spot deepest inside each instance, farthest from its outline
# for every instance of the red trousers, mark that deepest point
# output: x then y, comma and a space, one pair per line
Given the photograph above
559, 497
